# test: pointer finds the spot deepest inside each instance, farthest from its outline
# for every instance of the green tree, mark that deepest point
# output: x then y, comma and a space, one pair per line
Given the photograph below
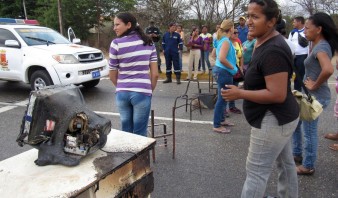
78, 14
14, 9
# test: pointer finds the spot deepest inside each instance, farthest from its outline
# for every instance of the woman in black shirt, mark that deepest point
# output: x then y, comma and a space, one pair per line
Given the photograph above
269, 105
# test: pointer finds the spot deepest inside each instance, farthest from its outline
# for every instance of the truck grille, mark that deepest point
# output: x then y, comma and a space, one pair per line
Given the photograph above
88, 71
91, 57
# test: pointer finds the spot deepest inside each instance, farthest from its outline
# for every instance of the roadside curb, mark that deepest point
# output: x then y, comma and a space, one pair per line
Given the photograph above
184, 75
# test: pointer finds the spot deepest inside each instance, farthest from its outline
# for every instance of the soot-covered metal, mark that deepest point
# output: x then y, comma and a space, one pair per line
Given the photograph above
58, 123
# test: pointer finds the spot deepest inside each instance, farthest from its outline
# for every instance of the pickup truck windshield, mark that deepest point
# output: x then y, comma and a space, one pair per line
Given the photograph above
41, 36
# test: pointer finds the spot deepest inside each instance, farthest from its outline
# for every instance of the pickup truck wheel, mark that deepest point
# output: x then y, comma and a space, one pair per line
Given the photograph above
40, 79
91, 83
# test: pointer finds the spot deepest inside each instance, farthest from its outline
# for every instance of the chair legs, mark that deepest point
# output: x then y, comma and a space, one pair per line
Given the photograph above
165, 134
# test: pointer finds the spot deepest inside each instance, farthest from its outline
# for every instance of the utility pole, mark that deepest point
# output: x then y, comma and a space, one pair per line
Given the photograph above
60, 16
98, 22
24, 8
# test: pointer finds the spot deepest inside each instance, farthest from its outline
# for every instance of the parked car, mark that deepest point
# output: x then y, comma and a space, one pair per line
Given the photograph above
41, 57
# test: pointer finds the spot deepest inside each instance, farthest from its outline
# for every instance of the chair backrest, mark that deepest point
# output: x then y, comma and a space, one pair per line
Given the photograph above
198, 89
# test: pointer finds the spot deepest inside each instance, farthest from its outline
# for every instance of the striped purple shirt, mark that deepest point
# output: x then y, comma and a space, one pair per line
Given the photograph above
132, 59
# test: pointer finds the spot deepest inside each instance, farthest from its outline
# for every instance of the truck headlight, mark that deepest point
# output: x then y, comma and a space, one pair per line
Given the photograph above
65, 58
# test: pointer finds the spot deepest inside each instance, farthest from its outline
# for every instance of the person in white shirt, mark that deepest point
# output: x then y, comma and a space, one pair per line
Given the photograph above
301, 52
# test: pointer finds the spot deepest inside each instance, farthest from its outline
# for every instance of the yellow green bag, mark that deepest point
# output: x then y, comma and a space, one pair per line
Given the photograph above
309, 107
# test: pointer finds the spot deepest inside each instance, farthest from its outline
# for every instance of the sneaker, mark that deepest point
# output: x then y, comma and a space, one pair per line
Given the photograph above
235, 110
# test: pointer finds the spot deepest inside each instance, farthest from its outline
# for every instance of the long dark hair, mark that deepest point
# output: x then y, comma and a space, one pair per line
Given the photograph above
126, 17
270, 9
193, 30
329, 29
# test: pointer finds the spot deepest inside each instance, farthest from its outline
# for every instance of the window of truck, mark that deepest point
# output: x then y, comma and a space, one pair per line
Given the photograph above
41, 36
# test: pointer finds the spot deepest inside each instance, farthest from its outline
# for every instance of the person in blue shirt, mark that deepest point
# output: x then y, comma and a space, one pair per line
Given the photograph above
172, 43
242, 29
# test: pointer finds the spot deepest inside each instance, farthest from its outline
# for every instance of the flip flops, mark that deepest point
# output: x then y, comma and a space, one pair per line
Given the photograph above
334, 147
226, 123
331, 136
222, 130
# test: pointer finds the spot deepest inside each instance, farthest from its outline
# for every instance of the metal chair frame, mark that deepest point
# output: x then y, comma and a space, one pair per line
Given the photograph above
187, 98
164, 135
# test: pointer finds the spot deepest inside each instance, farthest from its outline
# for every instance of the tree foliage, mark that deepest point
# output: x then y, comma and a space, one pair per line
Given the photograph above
163, 11
211, 12
82, 15
313, 6
78, 14
14, 9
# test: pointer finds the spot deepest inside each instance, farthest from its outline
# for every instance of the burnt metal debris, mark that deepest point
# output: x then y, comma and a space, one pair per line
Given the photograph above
58, 124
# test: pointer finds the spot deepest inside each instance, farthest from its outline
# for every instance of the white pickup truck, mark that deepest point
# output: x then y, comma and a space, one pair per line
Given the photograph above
41, 56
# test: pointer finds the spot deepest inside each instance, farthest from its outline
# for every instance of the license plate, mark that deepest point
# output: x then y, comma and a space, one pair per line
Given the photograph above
96, 74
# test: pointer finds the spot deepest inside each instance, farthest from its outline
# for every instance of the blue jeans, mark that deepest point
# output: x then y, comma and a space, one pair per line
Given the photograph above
222, 77
204, 59
268, 144
310, 129
134, 111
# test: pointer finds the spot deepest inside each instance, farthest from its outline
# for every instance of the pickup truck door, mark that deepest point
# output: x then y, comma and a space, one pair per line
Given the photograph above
11, 57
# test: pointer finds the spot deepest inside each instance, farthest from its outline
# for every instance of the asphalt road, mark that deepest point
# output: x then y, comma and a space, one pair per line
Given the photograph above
207, 164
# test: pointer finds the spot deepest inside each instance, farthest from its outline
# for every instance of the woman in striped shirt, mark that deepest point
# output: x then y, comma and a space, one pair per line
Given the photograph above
131, 55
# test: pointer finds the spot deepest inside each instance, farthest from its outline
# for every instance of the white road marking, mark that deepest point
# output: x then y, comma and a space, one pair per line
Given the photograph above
7, 108
10, 106
161, 118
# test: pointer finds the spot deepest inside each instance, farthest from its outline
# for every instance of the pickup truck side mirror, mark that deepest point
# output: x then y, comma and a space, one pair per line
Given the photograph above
76, 41
12, 43
71, 36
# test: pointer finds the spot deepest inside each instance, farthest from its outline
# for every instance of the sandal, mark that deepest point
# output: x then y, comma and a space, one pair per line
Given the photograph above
331, 136
334, 147
301, 170
226, 123
222, 130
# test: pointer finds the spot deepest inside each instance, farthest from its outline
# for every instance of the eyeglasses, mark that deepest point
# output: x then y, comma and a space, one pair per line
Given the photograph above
235, 32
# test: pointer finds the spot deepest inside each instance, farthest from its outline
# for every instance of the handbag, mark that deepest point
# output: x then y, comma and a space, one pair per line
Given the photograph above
239, 76
309, 107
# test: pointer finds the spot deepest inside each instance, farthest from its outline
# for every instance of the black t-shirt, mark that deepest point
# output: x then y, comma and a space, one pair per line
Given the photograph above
154, 30
271, 57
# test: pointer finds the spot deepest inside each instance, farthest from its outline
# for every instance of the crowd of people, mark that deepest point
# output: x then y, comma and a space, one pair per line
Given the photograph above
259, 49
